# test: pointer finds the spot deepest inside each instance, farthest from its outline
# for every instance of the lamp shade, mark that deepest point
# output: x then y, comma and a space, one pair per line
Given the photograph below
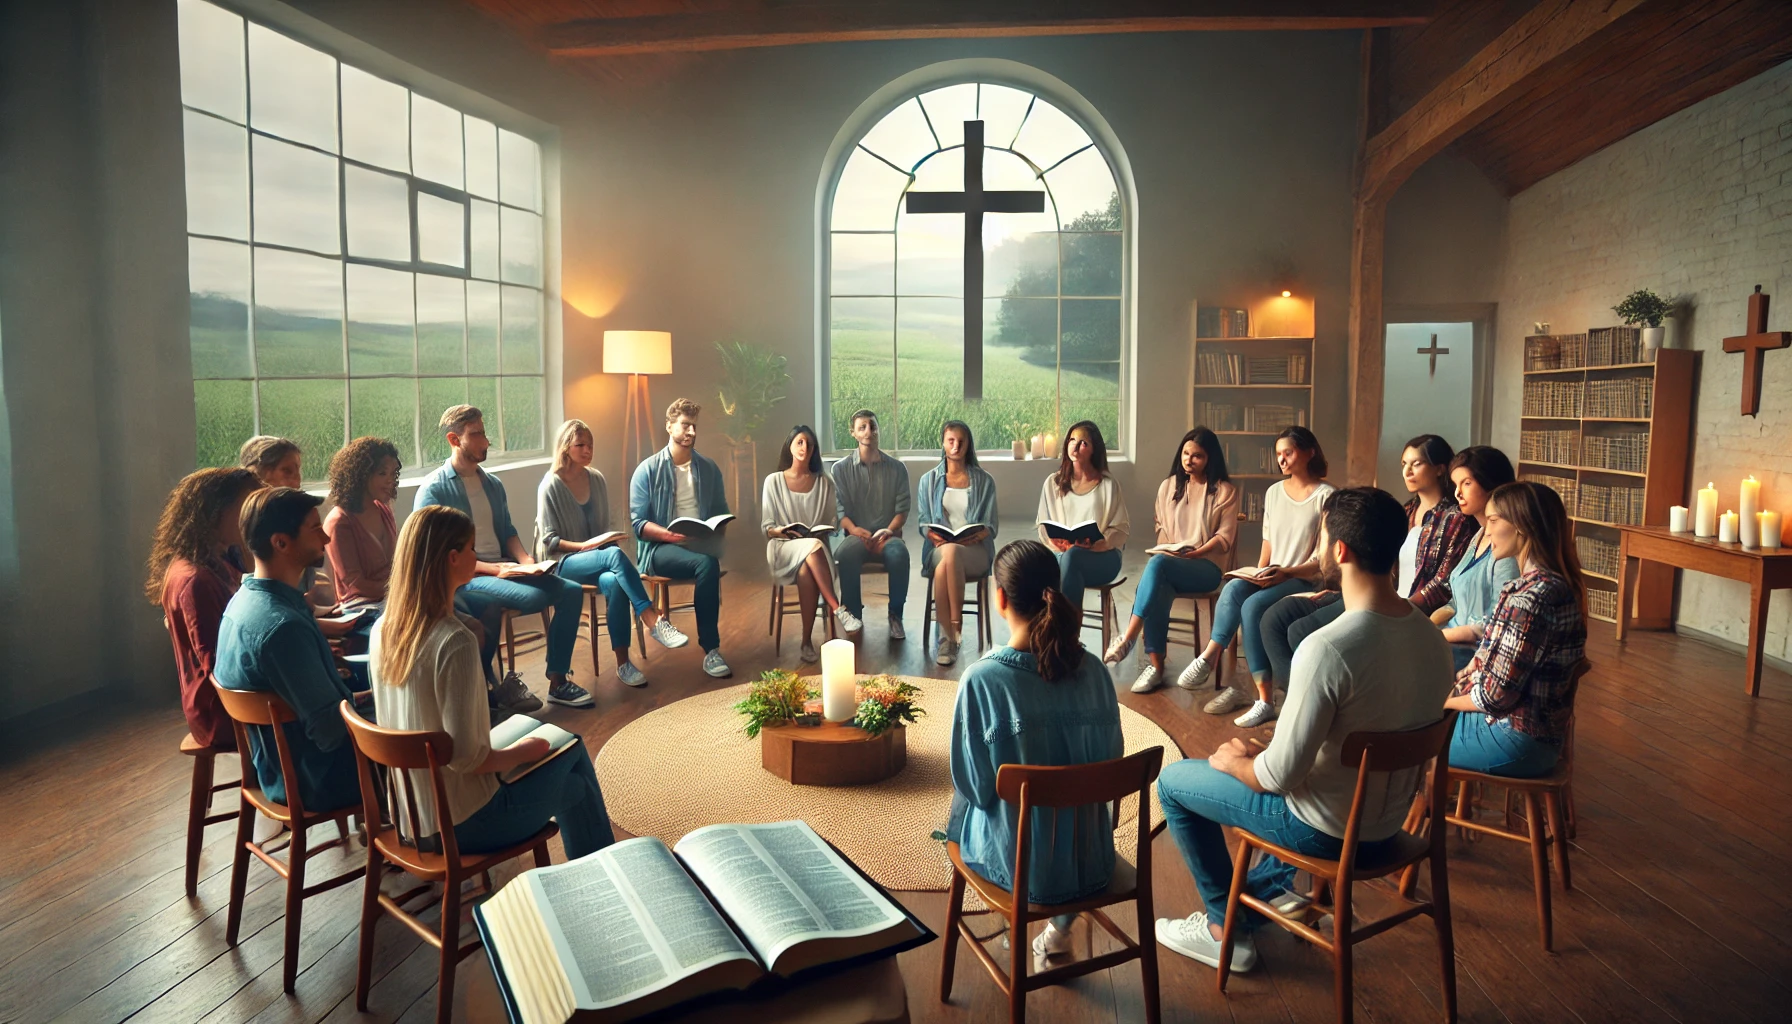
637, 352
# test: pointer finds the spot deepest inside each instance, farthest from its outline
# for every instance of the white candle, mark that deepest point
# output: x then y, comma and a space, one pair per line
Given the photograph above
1020, 450
839, 684
1677, 519
1705, 516
1051, 446
1039, 446
1748, 505
1726, 527
1770, 529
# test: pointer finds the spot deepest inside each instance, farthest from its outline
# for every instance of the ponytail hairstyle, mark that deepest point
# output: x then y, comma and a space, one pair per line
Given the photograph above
1027, 573
1536, 512
1306, 441
420, 594
1216, 460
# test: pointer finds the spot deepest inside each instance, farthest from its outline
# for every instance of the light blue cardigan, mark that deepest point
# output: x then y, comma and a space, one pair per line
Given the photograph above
931, 496
651, 497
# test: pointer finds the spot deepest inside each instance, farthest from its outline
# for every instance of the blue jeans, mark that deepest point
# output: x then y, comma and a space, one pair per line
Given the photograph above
1165, 577
1498, 749
529, 595
1462, 654
1197, 799
610, 571
1240, 611
680, 563
1080, 567
1290, 621
564, 789
851, 555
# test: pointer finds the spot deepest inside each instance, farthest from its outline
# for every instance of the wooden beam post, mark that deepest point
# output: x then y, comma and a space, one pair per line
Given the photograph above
1368, 352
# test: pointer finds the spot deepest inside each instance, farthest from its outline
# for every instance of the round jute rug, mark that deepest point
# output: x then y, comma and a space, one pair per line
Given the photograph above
690, 764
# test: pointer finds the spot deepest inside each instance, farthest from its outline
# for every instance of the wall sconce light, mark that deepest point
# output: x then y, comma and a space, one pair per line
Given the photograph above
1287, 294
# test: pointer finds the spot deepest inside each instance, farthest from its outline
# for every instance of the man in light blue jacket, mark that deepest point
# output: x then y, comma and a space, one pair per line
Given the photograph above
673, 483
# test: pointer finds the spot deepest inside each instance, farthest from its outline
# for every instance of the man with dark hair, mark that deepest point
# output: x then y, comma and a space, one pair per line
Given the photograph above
871, 493
678, 482
269, 641
1380, 667
461, 484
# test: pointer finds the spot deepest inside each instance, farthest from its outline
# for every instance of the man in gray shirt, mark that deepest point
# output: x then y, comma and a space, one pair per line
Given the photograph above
1382, 666
871, 490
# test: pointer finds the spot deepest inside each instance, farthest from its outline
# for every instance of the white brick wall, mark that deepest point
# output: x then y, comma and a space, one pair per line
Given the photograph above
1698, 207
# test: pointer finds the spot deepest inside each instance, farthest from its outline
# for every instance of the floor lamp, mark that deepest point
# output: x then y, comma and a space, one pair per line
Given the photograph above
637, 353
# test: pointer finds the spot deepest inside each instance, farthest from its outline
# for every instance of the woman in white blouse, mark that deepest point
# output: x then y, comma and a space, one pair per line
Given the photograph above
1082, 490
800, 494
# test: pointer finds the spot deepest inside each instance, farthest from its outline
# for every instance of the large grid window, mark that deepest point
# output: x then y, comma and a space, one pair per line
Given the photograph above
1054, 332
360, 256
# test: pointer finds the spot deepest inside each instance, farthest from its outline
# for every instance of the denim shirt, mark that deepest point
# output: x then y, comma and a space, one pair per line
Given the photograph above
1008, 714
652, 497
269, 641
931, 496
444, 487
1475, 585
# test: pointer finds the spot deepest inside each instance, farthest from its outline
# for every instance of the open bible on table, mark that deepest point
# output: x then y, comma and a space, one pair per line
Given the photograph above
700, 527
733, 911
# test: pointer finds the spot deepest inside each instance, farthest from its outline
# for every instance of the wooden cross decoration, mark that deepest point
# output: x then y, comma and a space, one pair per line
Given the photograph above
974, 202
1433, 352
1753, 346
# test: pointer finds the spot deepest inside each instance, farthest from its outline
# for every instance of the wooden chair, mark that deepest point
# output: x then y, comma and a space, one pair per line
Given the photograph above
1106, 618
972, 606
1549, 795
507, 654
199, 804
659, 591
786, 601
599, 619
1368, 753
250, 707
398, 751
1032, 787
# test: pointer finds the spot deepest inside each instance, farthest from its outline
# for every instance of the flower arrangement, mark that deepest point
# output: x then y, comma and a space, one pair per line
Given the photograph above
775, 698
886, 702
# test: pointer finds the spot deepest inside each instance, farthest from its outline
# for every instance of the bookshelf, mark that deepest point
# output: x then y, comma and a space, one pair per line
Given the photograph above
1608, 424
1248, 386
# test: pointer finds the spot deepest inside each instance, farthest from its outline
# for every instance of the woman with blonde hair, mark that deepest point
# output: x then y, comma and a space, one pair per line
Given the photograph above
426, 677
572, 517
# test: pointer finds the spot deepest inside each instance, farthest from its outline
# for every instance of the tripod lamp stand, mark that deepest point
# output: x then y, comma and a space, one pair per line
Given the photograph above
637, 353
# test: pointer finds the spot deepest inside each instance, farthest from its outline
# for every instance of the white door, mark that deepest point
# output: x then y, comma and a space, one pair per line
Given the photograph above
1428, 388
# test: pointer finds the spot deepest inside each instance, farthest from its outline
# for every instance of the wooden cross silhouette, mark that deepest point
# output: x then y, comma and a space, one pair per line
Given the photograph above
1434, 352
974, 202
1753, 346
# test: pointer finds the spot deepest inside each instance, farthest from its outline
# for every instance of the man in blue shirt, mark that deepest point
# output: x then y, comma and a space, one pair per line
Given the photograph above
871, 492
676, 482
269, 641
461, 484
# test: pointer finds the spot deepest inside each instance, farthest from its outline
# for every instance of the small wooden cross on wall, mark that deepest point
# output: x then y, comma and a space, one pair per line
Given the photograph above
1753, 346
1433, 352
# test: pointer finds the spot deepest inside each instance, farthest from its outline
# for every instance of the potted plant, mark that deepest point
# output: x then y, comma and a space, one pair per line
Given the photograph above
753, 382
1643, 308
886, 702
775, 698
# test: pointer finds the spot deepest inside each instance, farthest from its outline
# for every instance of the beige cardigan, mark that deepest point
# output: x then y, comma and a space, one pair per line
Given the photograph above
1204, 511
1113, 521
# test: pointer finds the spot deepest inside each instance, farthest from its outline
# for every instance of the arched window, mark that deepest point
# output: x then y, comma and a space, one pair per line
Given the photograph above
1054, 284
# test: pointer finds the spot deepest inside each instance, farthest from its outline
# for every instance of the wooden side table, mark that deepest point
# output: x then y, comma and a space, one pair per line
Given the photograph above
1763, 569
832, 754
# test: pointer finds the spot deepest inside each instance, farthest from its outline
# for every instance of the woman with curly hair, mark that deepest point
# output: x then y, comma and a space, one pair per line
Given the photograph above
192, 580
363, 532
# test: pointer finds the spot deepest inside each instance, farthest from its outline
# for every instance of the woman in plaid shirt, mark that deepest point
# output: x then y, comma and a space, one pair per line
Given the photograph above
1518, 693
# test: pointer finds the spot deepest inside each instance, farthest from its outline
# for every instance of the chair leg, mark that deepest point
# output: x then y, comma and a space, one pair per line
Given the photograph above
1148, 961
1552, 803
949, 953
295, 904
198, 805
927, 620
597, 668
777, 621
1568, 807
1020, 951
1540, 871
450, 949
370, 915
1241, 865
239, 866
542, 859
1446, 936
1343, 966
771, 620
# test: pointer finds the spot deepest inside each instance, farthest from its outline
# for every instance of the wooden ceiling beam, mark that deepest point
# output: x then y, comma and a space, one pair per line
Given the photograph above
831, 21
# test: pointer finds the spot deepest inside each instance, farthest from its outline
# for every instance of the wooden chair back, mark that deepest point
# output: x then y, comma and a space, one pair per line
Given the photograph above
1373, 753
401, 752
1105, 782
258, 707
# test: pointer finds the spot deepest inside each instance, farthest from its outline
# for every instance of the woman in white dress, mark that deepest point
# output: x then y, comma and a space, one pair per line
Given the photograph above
800, 494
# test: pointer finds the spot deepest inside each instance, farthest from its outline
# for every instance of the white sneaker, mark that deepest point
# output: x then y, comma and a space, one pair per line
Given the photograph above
1229, 699
808, 654
1117, 651
1195, 676
630, 674
1150, 678
1261, 712
896, 630
716, 665
667, 634
947, 653
1190, 937
1051, 942
849, 623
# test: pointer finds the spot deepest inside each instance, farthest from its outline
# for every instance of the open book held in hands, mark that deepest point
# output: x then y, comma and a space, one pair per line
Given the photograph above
943, 532
513, 570
516, 728
711, 527
636, 927
605, 539
1179, 550
798, 531
1075, 533
1251, 574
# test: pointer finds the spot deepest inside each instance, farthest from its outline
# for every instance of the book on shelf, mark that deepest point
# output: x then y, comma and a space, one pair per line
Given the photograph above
711, 527
1222, 322
1233, 368
1257, 418
638, 928
943, 533
517, 728
1075, 533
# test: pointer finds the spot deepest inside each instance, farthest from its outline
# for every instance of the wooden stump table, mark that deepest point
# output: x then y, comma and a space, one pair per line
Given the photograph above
832, 754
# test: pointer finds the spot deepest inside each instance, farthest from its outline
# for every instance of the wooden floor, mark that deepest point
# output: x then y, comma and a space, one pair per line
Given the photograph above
1677, 913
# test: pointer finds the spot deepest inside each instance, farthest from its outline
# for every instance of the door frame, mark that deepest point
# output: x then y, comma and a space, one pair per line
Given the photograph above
1483, 319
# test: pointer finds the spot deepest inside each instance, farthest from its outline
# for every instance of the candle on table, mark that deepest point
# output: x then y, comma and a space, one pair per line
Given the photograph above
1747, 506
839, 683
1677, 519
1705, 515
1770, 529
1726, 527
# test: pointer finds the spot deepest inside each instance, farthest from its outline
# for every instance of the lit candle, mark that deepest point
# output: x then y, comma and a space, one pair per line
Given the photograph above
1020, 450
1748, 505
1770, 529
1039, 446
839, 683
1051, 446
1705, 516
1677, 519
1726, 527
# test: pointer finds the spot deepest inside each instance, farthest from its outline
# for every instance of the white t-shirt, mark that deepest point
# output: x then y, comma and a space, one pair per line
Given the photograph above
1292, 527
956, 504
684, 491
1079, 508
485, 533
1409, 561
1363, 672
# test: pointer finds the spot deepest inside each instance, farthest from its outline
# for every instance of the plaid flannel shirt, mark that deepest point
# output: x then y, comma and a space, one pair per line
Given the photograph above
1524, 667
1443, 540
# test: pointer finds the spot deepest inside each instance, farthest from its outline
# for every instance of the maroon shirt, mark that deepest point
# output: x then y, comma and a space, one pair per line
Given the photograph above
193, 600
